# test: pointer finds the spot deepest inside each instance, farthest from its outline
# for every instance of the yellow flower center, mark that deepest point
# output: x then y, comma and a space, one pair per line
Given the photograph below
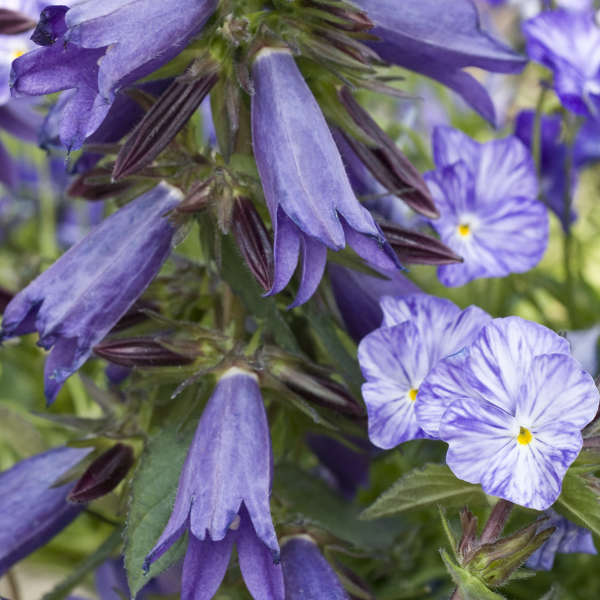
464, 229
524, 436
18, 53
412, 394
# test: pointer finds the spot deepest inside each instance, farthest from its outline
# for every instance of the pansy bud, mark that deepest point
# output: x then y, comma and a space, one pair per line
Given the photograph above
96, 185
103, 475
77, 301
31, 510
140, 352
13, 22
306, 573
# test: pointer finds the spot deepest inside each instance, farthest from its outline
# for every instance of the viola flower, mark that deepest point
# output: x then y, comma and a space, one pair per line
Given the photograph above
439, 44
77, 301
568, 43
417, 331
306, 573
32, 511
566, 539
308, 194
95, 49
512, 407
223, 495
487, 197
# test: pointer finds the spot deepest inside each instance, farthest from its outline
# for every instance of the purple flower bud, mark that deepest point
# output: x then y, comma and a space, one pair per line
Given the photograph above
103, 475
13, 22
439, 44
308, 194
140, 352
77, 301
223, 495
307, 574
31, 510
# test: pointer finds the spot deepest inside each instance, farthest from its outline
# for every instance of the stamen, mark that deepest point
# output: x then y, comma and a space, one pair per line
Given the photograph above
464, 229
525, 436
412, 394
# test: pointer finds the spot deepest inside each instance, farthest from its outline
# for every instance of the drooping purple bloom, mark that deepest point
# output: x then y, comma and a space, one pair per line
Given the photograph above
223, 495
77, 301
357, 296
568, 43
439, 44
512, 407
566, 539
31, 510
308, 194
417, 331
553, 161
307, 574
98, 48
487, 197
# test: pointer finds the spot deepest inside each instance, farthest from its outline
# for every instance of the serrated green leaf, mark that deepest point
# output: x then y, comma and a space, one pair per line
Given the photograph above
425, 486
579, 503
315, 503
471, 587
86, 566
152, 498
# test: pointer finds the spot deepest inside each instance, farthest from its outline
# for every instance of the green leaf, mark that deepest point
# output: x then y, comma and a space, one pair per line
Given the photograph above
90, 563
470, 586
152, 498
19, 433
315, 503
239, 278
579, 503
422, 487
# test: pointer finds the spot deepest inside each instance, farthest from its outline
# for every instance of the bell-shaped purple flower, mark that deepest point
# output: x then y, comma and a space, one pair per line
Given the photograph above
566, 539
511, 407
490, 214
31, 510
223, 495
307, 574
100, 47
308, 194
568, 43
77, 301
417, 331
440, 43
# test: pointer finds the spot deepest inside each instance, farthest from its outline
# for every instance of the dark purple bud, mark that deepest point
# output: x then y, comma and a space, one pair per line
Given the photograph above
418, 248
13, 22
51, 25
253, 241
135, 315
5, 298
96, 185
385, 161
103, 475
140, 352
198, 197
163, 122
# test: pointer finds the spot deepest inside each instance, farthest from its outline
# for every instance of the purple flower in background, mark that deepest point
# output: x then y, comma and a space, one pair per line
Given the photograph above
566, 539
223, 495
568, 43
76, 302
515, 403
96, 48
439, 44
357, 296
308, 194
417, 331
307, 574
486, 194
32, 511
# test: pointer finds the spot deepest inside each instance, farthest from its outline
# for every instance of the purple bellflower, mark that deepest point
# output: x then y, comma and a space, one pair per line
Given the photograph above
439, 44
568, 43
566, 539
96, 48
223, 495
32, 511
309, 197
417, 331
487, 197
511, 406
307, 574
77, 301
